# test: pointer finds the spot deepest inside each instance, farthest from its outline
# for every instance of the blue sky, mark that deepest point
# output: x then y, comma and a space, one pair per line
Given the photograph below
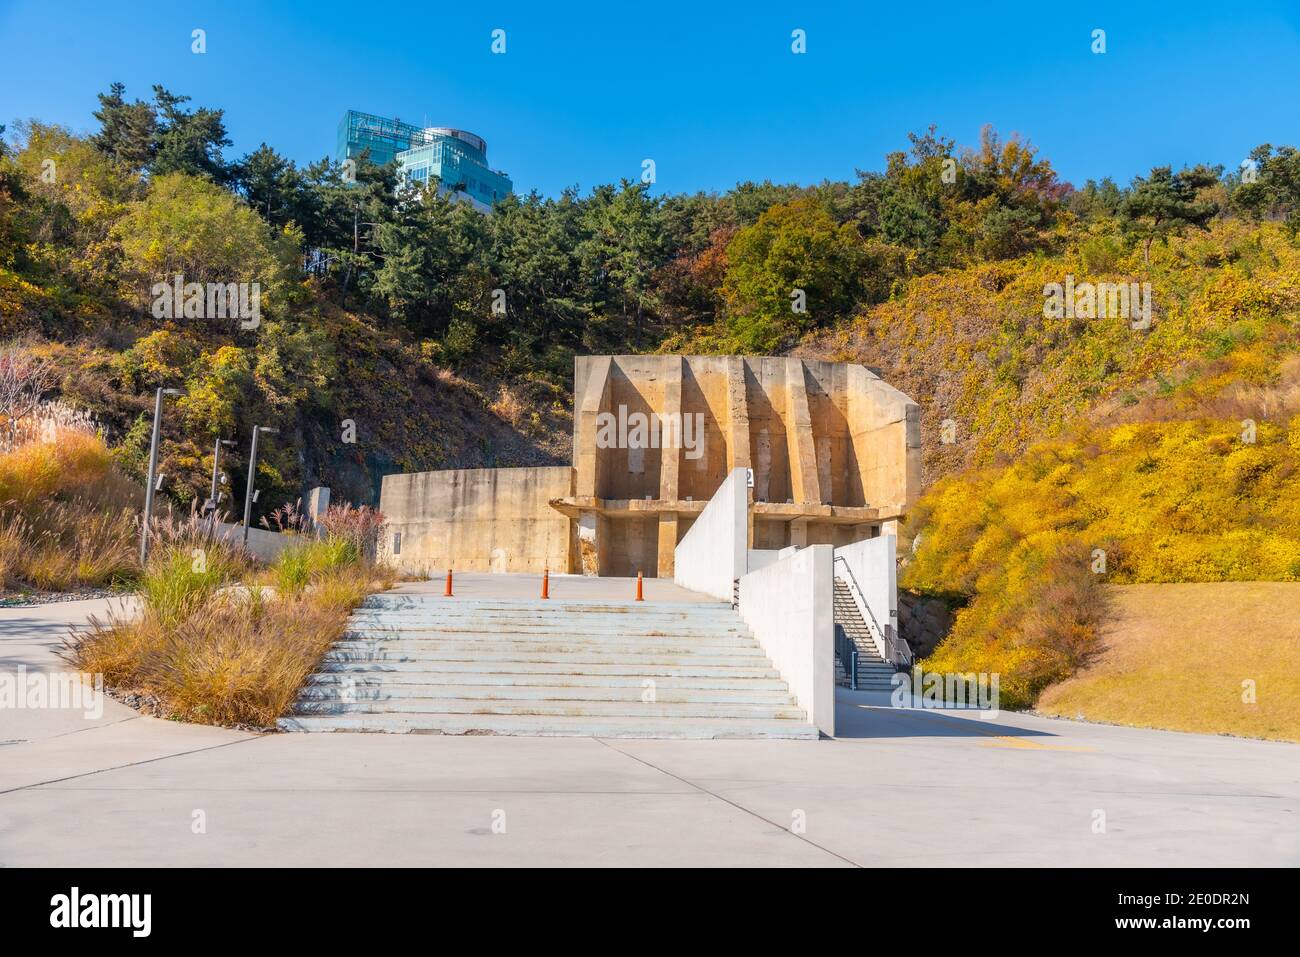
585, 92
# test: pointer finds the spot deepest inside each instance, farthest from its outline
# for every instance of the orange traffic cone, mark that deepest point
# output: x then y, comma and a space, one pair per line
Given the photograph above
447, 593
546, 583
640, 595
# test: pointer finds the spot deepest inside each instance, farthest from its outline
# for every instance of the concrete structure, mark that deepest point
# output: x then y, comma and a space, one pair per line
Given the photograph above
833, 452
455, 158
318, 503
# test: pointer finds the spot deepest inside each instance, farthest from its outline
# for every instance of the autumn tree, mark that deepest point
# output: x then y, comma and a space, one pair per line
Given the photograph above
795, 268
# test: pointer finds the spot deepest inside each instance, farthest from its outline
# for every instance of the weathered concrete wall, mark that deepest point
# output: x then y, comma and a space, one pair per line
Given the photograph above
477, 520
835, 453
886, 430
788, 605
712, 556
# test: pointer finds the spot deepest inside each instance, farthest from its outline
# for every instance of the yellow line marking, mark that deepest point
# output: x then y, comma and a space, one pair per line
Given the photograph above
1007, 741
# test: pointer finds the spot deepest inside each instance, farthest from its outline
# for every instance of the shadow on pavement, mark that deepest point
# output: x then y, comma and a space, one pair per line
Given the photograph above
864, 714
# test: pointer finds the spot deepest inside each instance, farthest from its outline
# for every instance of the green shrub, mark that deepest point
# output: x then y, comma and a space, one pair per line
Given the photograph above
300, 563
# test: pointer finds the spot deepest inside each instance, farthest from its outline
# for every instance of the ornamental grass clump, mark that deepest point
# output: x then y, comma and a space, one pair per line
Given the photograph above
210, 643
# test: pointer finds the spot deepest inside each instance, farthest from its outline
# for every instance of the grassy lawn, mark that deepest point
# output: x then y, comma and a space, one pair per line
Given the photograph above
1175, 656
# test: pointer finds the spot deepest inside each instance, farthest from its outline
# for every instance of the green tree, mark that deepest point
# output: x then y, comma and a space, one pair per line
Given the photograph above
128, 131
1165, 203
188, 141
1272, 190
1096, 200
161, 137
275, 187
624, 245
423, 252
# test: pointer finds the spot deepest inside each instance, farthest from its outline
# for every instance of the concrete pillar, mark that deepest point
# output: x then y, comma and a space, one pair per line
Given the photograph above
805, 477
670, 457
318, 501
799, 532
591, 392
738, 454
667, 544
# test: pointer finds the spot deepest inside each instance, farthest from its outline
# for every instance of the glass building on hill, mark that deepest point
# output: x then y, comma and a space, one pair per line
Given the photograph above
456, 158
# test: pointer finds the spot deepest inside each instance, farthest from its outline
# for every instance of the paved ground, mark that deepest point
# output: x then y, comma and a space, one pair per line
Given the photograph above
896, 788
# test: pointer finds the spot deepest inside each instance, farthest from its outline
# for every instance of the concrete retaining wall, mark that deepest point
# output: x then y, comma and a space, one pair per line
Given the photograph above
265, 545
874, 564
788, 606
476, 520
711, 556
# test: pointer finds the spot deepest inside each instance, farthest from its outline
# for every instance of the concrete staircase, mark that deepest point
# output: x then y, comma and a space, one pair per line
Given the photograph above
510, 666
874, 673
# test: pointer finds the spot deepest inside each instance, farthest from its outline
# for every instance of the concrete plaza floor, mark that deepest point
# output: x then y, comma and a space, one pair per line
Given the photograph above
895, 788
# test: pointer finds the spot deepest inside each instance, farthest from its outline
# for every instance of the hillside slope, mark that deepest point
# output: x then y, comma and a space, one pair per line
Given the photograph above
973, 345
1187, 657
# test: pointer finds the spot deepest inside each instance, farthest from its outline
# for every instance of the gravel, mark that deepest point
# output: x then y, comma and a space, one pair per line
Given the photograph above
30, 599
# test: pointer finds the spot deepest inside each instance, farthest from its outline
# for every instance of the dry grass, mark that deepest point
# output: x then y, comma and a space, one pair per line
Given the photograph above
66, 515
234, 660
221, 655
70, 546
1175, 656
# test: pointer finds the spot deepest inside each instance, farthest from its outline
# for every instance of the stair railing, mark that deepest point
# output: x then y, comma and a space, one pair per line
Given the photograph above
892, 648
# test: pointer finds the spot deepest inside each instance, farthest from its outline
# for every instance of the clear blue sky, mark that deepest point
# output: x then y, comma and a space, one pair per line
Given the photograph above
585, 92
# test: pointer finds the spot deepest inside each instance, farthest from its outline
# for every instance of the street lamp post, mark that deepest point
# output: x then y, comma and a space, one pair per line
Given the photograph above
252, 474
153, 470
216, 456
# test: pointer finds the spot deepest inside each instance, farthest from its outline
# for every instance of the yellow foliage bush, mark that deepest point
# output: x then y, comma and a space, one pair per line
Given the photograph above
1025, 546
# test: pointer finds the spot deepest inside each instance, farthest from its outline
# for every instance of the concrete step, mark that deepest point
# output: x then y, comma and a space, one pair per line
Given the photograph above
596, 683
511, 666
656, 669
608, 726
664, 693
575, 661
428, 603
556, 610
567, 637
542, 616
502, 706
525, 629
487, 645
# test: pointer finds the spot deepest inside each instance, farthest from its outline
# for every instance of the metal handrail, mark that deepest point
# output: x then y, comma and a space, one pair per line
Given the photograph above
892, 648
